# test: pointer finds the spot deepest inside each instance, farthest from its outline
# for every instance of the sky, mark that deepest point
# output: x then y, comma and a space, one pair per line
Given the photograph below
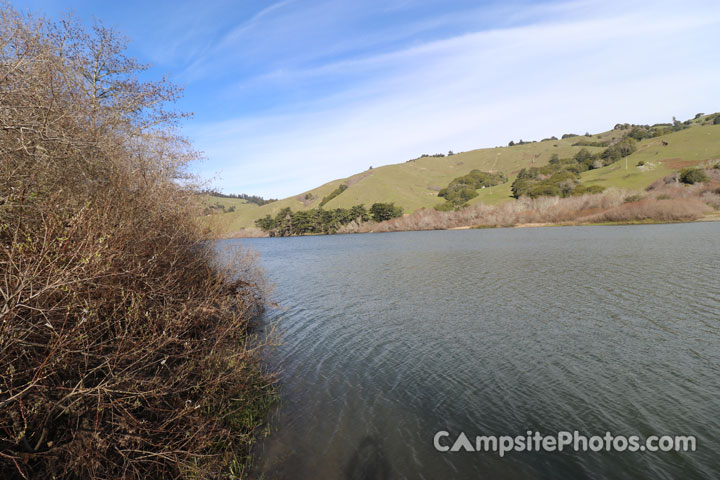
288, 95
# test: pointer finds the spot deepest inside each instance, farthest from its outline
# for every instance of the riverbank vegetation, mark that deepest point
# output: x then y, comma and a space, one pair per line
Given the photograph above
665, 149
666, 200
686, 195
318, 221
125, 350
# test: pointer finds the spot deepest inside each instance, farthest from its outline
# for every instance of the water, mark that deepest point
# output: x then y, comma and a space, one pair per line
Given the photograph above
389, 338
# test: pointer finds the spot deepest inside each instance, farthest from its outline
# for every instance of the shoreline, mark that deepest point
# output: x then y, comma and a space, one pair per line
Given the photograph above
714, 217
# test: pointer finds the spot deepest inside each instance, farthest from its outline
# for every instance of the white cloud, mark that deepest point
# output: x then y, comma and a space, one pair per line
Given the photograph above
593, 64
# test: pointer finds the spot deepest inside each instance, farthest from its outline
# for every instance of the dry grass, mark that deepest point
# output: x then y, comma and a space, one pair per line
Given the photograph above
124, 349
665, 202
671, 210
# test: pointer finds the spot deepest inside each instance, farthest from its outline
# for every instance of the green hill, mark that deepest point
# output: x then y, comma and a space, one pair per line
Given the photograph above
415, 184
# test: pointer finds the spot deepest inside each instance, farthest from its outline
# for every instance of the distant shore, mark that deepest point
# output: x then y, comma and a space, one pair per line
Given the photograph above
714, 217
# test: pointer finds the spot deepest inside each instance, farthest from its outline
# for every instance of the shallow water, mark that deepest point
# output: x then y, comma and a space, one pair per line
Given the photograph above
389, 338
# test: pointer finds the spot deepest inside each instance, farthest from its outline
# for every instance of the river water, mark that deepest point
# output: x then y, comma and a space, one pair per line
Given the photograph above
387, 339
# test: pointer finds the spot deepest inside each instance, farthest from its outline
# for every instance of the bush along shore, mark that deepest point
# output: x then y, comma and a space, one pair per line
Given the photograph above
125, 350
548, 196
318, 221
685, 196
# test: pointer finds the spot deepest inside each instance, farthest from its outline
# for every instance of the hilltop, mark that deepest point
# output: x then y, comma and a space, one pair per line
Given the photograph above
414, 184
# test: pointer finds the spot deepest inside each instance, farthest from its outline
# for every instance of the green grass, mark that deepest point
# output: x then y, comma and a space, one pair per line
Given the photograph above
495, 195
687, 147
211, 200
414, 185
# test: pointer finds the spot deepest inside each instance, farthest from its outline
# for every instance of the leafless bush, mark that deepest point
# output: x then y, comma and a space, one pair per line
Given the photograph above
523, 211
711, 198
124, 349
683, 203
652, 209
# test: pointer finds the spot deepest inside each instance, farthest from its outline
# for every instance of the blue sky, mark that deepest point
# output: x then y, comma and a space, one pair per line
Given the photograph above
288, 95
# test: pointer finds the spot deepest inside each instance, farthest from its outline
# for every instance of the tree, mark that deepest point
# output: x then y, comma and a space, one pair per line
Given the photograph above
316, 220
266, 223
620, 150
359, 213
384, 211
585, 159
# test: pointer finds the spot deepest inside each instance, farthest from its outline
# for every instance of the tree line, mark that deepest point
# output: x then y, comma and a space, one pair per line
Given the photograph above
257, 200
288, 223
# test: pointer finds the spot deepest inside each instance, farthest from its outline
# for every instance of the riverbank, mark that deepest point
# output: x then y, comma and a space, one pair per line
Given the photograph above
664, 205
709, 218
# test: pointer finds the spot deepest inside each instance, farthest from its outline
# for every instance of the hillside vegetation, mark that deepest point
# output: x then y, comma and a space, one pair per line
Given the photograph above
412, 185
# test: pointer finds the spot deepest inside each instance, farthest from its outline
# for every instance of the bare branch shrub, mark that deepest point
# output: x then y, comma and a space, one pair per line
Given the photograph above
124, 348
653, 209
669, 202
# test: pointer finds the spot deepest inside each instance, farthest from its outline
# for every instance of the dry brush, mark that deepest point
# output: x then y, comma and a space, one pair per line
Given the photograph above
125, 350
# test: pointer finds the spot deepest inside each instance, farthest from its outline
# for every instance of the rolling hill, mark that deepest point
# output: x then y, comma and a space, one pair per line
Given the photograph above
414, 184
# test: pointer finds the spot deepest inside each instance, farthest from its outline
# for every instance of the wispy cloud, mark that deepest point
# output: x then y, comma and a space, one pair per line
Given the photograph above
556, 67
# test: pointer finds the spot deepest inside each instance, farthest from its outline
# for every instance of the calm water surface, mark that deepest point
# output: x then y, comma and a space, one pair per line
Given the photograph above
388, 338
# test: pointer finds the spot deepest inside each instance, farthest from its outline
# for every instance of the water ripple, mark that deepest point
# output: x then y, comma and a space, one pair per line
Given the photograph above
388, 338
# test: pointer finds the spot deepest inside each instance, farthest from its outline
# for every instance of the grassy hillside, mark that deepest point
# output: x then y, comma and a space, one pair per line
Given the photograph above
224, 202
414, 184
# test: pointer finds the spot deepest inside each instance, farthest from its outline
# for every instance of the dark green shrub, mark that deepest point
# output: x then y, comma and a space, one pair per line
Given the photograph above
462, 189
691, 176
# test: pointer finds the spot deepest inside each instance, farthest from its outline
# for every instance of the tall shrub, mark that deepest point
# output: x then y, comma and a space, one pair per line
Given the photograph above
124, 348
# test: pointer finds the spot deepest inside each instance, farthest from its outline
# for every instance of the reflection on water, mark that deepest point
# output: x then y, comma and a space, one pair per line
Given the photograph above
368, 462
388, 338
